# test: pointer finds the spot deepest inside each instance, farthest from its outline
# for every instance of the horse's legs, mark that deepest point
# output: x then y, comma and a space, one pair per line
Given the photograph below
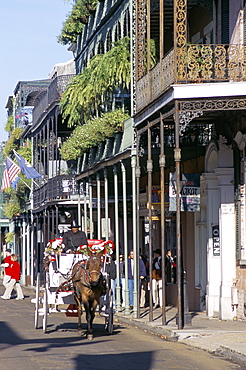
88, 316
93, 310
79, 314
89, 319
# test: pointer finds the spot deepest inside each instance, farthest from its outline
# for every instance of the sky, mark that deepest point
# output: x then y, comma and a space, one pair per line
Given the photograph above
29, 47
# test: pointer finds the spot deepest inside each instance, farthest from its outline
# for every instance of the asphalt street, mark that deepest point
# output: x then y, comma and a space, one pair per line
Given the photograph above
24, 347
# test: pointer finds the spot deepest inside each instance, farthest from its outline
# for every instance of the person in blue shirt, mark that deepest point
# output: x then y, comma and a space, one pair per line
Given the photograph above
142, 274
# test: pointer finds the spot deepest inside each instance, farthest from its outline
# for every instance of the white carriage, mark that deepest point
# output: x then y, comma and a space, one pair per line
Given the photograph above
57, 295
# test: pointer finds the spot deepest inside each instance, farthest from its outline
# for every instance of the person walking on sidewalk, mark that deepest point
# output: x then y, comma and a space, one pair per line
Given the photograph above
6, 264
14, 281
142, 274
156, 279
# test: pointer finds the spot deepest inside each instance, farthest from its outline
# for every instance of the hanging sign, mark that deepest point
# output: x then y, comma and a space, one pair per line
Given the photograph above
189, 192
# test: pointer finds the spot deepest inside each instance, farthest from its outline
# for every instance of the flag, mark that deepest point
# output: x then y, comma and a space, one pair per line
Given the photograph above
15, 182
10, 173
26, 168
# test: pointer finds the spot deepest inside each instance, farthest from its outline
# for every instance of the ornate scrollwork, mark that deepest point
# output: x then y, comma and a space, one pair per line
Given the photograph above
141, 30
213, 104
223, 143
185, 117
134, 47
180, 38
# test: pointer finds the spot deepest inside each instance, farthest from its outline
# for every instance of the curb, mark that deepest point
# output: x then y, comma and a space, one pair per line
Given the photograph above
172, 336
230, 354
161, 332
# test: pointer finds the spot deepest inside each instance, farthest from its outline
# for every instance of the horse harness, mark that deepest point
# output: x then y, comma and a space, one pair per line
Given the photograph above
83, 271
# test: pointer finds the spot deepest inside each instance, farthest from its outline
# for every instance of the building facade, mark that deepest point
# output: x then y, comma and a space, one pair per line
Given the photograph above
187, 106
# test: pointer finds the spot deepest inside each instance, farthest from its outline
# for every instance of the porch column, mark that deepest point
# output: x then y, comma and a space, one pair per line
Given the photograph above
117, 245
98, 206
123, 169
162, 161
32, 246
135, 249
90, 208
105, 172
52, 234
149, 170
79, 204
213, 260
28, 260
177, 159
227, 239
57, 235
23, 261
138, 174
85, 208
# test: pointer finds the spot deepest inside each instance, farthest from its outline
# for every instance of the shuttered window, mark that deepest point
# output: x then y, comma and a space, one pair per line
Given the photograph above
225, 37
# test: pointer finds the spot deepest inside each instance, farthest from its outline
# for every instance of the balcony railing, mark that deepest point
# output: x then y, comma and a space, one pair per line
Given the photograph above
159, 78
58, 188
54, 91
194, 63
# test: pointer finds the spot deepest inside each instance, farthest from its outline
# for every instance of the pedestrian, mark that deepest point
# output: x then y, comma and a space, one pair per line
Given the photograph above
169, 266
73, 238
6, 264
157, 279
142, 274
144, 286
122, 281
15, 275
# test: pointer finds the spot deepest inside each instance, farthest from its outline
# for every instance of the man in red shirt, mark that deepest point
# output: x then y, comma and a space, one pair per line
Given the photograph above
6, 264
15, 274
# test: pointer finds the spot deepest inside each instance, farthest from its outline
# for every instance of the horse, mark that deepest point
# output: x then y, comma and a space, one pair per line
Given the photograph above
88, 286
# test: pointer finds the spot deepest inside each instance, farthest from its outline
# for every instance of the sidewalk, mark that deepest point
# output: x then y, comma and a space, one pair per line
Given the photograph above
225, 338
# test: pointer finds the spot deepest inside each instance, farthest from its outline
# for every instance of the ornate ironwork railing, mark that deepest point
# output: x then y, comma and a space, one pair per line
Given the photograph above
155, 82
206, 63
57, 188
193, 63
54, 91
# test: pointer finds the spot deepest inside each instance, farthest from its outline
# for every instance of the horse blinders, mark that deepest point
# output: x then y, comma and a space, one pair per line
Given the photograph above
91, 271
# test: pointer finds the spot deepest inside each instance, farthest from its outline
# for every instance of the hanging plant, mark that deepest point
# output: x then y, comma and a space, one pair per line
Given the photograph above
74, 24
104, 73
92, 133
13, 142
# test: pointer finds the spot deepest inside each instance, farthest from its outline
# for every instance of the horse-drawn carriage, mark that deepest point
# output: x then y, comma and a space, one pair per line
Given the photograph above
75, 279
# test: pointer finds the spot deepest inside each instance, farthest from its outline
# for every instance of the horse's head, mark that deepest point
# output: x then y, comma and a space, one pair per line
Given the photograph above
93, 267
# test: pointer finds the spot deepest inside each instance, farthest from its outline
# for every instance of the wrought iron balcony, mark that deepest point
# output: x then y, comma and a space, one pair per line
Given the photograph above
58, 188
194, 63
53, 92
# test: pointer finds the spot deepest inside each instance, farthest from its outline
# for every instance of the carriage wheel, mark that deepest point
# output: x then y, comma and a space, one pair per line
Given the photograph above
110, 319
45, 308
37, 302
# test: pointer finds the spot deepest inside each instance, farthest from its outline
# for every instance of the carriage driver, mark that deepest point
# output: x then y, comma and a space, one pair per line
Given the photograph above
73, 238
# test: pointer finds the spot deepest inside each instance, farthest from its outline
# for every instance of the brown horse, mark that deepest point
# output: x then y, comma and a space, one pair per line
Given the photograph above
88, 287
